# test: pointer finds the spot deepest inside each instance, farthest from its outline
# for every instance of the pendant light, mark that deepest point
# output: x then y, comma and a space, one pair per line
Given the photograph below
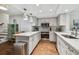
31, 18
25, 14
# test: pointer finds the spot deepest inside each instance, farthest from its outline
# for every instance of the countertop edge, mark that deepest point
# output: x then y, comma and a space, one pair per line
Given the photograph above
63, 38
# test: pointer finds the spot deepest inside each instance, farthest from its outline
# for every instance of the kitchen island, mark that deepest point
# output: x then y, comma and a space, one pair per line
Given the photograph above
67, 46
31, 38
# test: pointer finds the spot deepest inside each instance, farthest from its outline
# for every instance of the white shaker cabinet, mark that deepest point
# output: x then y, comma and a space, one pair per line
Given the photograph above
31, 40
30, 44
34, 21
61, 19
65, 20
64, 48
71, 51
30, 47
60, 46
52, 36
36, 39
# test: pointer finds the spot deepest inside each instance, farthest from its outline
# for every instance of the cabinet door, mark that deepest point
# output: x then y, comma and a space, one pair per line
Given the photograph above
34, 23
34, 41
39, 37
62, 19
61, 46
58, 45
30, 44
30, 47
52, 37
64, 48
71, 51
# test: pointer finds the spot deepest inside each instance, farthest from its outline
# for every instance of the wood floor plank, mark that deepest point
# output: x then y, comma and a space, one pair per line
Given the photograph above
45, 47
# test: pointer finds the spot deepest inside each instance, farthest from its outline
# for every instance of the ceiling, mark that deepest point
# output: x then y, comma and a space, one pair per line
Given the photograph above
43, 10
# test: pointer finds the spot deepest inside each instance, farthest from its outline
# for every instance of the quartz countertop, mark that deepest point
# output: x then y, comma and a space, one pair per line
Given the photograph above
72, 42
27, 33
3, 33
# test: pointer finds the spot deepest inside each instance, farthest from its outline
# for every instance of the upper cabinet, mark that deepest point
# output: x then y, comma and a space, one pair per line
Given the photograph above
65, 20
30, 19
34, 21
52, 21
61, 20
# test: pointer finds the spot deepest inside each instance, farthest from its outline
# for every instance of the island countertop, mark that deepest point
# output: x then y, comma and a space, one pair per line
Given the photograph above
72, 42
27, 33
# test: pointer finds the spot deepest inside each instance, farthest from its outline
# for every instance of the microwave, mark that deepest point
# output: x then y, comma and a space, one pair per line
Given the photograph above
45, 24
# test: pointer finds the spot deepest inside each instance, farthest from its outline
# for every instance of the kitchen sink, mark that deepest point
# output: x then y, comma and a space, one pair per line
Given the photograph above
69, 36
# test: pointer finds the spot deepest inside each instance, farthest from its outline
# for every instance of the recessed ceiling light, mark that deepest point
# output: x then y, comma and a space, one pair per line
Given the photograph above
40, 10
50, 9
66, 10
3, 8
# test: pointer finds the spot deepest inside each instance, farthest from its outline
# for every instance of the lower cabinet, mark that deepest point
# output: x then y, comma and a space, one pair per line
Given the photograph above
60, 46
52, 36
30, 48
64, 48
69, 52
33, 41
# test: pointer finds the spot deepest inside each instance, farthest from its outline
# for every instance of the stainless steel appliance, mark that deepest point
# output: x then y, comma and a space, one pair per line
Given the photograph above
44, 34
45, 24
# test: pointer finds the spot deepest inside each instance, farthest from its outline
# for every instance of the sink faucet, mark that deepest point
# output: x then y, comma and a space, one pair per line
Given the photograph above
75, 33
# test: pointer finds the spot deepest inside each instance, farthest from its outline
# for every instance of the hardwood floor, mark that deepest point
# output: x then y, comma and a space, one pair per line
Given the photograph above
45, 47
6, 48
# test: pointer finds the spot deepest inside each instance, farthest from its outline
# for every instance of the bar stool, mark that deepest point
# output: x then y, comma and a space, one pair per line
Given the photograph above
20, 48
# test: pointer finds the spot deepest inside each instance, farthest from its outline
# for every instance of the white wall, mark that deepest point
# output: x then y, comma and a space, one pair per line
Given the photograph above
24, 25
4, 18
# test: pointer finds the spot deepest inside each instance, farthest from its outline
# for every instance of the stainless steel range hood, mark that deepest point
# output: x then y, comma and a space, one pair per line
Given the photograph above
45, 24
